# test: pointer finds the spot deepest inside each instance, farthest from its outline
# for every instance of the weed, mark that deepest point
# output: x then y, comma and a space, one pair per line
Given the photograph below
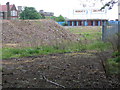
117, 59
116, 53
98, 45
113, 66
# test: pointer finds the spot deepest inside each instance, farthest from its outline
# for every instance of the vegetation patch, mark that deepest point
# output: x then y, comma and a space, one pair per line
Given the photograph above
99, 45
63, 48
113, 64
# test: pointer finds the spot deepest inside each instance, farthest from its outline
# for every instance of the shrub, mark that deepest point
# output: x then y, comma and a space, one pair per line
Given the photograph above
116, 53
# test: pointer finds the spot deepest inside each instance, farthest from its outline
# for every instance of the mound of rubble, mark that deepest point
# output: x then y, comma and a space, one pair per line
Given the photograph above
34, 33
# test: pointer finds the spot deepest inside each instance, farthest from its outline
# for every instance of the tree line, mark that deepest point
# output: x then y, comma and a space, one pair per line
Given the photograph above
31, 13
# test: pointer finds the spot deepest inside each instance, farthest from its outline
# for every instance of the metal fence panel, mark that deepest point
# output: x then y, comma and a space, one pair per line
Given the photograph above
109, 31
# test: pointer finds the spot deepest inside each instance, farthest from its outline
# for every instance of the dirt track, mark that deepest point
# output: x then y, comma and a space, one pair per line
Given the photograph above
69, 70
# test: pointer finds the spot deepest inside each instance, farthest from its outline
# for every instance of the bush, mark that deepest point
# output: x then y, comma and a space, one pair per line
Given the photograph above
117, 59
112, 65
116, 53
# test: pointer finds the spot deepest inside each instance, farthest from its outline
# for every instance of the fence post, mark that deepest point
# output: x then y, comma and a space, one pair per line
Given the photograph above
118, 36
104, 27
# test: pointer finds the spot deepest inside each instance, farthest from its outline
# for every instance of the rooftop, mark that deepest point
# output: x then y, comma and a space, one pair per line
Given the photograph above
3, 8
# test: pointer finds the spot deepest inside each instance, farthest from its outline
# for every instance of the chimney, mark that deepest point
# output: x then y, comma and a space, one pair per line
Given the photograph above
20, 8
8, 10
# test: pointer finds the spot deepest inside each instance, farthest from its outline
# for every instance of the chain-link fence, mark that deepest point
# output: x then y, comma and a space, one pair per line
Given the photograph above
110, 32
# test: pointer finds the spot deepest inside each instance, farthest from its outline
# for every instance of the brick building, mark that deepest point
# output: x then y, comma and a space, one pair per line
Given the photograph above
8, 12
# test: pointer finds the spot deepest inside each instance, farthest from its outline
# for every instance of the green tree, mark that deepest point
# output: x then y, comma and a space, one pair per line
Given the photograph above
30, 13
60, 18
43, 16
53, 17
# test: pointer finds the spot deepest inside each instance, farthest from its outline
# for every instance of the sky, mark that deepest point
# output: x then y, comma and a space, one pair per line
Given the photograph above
65, 7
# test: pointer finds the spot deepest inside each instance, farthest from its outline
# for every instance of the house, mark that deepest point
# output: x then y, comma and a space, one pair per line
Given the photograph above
46, 14
9, 12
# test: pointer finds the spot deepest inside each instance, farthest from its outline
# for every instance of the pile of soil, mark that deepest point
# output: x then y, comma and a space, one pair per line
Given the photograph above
34, 33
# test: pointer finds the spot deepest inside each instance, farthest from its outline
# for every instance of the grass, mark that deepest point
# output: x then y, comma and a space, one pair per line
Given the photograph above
22, 52
73, 47
79, 30
88, 35
99, 45
113, 65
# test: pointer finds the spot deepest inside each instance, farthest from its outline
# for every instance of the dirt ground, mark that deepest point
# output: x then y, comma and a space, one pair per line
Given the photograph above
68, 70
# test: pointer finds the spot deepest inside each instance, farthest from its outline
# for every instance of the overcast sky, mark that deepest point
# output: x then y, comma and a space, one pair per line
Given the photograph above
63, 7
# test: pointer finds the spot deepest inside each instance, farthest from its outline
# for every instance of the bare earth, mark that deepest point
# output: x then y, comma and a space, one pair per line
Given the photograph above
69, 70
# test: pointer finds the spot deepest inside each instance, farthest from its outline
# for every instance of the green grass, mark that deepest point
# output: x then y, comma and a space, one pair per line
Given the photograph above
73, 47
98, 45
81, 45
116, 53
113, 65
22, 52
90, 33
79, 30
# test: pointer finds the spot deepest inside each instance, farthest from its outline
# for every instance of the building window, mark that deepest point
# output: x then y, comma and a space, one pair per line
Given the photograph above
1, 14
13, 13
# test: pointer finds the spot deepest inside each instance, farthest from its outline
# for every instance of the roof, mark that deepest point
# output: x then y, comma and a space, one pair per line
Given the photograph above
3, 8
84, 19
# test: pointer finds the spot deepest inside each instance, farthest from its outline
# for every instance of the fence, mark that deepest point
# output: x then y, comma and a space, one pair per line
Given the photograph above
110, 30
111, 33
61, 23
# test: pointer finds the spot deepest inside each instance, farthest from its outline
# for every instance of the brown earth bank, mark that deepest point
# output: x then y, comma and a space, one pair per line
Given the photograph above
29, 33
69, 70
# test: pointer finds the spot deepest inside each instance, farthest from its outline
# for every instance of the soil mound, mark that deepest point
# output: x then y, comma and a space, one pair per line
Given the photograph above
34, 33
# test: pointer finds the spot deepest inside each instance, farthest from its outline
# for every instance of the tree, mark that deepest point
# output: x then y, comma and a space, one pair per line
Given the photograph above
53, 17
105, 3
60, 18
30, 13
110, 4
42, 16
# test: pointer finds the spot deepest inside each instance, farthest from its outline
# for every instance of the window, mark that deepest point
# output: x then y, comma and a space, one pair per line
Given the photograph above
13, 13
1, 14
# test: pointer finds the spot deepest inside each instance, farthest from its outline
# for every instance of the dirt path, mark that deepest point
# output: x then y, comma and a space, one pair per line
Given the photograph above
70, 70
